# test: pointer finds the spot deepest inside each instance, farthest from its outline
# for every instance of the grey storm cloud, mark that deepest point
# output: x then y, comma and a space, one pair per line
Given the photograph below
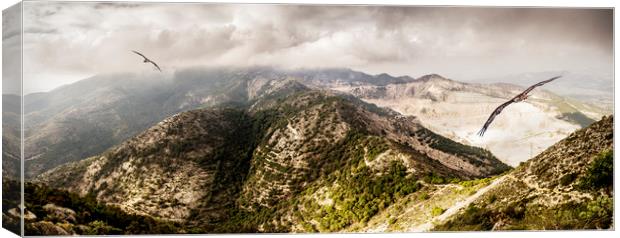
66, 41
11, 50
11, 23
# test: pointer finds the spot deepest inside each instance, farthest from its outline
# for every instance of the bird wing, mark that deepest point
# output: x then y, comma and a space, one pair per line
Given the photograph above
538, 84
496, 112
156, 66
140, 54
499, 109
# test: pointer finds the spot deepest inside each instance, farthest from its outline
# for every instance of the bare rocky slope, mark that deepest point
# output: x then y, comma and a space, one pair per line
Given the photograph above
294, 160
568, 186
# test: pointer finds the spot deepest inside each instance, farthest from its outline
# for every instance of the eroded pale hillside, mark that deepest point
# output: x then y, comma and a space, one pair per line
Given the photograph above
458, 111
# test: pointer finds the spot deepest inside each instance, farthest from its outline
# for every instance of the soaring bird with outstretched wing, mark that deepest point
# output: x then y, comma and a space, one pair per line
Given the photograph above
520, 97
147, 60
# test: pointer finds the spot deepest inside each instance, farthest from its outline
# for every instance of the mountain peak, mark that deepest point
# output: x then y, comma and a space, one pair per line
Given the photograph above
430, 77
384, 75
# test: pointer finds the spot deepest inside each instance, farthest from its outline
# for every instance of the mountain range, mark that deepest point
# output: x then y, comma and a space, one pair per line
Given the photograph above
206, 167
590, 86
267, 150
83, 119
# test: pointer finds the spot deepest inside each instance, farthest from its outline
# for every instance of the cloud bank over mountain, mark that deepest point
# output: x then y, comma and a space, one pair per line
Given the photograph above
65, 42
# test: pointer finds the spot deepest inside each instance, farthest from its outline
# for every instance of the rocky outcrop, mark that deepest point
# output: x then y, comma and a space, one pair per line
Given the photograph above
60, 214
46, 228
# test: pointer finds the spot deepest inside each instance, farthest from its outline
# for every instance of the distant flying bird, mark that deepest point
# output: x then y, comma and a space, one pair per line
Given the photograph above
520, 97
147, 60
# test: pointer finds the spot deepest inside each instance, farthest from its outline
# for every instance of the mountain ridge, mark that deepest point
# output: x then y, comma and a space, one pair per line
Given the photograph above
269, 152
302, 140
108, 110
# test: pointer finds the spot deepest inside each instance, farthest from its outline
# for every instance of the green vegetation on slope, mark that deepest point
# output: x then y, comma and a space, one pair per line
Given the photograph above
356, 192
600, 174
359, 194
593, 214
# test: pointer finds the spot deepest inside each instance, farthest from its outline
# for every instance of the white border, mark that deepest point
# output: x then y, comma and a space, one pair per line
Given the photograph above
505, 3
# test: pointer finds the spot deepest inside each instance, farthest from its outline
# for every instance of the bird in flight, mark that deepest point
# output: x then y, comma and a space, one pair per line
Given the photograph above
147, 60
520, 97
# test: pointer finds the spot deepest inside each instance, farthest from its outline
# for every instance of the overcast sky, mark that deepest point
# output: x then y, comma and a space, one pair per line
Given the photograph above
66, 42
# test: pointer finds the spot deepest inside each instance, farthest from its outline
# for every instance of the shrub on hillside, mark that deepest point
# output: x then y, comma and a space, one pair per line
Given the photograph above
600, 173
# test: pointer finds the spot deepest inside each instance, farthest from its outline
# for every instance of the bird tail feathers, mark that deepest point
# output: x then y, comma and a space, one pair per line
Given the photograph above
481, 132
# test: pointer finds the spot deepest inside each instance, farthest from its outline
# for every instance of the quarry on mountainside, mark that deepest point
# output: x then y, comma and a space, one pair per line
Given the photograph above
458, 110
